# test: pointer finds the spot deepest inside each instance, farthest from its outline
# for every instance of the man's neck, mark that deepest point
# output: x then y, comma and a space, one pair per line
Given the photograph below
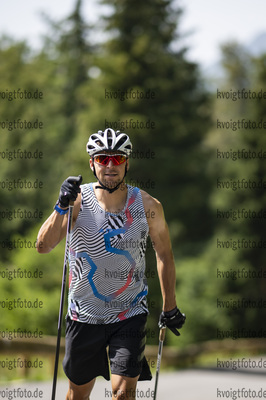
112, 202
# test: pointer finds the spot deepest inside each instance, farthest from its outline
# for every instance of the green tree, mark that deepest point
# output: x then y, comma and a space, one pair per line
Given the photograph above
140, 57
59, 71
143, 56
234, 208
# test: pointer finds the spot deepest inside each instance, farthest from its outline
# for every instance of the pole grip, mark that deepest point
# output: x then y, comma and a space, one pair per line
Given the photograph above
162, 334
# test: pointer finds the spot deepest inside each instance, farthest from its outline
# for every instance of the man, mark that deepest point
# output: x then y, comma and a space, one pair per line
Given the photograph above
107, 303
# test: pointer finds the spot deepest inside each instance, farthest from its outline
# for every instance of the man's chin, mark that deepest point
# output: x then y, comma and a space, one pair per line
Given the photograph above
111, 184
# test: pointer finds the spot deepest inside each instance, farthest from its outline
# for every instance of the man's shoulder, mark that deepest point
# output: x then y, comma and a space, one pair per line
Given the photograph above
87, 184
87, 187
150, 203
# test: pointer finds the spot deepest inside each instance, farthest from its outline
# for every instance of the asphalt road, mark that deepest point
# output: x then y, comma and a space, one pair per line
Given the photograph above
180, 385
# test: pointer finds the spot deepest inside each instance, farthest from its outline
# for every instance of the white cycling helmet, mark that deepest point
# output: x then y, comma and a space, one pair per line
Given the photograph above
109, 140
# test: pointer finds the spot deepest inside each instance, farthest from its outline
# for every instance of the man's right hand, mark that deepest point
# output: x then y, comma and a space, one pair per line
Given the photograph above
69, 190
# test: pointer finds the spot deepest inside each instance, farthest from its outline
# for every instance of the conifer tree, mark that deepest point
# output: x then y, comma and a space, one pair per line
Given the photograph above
240, 209
141, 57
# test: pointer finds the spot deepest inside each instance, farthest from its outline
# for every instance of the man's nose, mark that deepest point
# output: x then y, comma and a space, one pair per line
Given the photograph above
108, 163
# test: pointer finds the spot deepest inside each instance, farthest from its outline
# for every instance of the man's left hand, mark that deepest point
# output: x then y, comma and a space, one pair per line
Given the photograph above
173, 320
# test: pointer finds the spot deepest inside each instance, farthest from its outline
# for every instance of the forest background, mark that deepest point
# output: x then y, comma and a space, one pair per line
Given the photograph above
199, 147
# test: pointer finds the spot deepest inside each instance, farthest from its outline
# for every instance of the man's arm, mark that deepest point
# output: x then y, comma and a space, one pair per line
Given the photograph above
159, 234
54, 229
160, 238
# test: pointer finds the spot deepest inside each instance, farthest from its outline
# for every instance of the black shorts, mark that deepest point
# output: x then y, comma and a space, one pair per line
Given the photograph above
86, 350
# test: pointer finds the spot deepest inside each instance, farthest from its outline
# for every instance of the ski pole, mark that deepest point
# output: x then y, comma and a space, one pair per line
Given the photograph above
159, 357
63, 287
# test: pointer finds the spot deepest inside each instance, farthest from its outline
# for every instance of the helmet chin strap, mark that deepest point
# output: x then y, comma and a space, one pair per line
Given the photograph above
110, 190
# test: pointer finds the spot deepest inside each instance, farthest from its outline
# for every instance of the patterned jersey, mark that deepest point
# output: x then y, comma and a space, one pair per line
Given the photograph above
107, 280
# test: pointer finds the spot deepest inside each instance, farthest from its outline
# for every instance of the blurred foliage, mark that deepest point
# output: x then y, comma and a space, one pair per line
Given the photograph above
83, 87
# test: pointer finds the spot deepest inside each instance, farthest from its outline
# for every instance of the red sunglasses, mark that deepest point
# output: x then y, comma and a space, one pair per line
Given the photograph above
104, 159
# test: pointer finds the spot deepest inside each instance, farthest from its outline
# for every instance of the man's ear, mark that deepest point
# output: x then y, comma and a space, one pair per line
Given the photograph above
91, 164
127, 161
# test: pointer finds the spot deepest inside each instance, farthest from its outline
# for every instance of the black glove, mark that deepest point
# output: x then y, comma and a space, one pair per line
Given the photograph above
172, 319
69, 190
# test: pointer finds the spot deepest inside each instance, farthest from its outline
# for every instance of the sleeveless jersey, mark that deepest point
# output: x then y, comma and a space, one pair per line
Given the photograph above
107, 280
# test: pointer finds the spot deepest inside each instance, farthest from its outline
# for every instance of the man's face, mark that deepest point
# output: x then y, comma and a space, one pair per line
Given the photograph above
108, 171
